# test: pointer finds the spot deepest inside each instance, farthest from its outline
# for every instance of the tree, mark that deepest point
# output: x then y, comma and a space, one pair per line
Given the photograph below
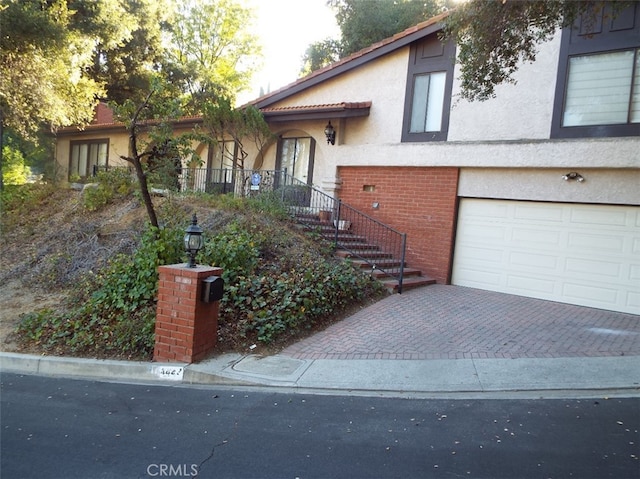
495, 36
221, 120
14, 168
57, 56
363, 23
319, 55
212, 51
42, 68
153, 146
127, 55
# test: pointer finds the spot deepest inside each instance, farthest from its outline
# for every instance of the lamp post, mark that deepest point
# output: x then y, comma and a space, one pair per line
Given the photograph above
193, 241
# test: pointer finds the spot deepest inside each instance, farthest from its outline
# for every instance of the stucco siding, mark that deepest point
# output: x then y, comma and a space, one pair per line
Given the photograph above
599, 185
587, 153
519, 111
381, 82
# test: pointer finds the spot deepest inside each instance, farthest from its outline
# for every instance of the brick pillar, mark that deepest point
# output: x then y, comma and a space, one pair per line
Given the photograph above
186, 327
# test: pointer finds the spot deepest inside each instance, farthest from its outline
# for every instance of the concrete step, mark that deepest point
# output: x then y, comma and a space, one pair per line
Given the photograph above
370, 254
392, 285
383, 263
406, 272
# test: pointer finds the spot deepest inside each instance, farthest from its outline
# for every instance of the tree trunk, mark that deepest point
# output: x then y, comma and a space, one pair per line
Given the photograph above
137, 164
142, 177
1, 147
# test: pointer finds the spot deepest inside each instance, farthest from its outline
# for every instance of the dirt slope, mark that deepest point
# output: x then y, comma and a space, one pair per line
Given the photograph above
45, 249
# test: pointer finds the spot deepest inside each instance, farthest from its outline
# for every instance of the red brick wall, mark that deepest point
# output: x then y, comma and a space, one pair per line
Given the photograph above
415, 200
186, 328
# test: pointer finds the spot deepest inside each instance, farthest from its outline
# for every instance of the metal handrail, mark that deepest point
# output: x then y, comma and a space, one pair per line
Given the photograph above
362, 236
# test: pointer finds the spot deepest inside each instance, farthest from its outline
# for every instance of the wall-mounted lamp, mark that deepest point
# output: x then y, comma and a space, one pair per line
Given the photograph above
330, 133
573, 176
193, 241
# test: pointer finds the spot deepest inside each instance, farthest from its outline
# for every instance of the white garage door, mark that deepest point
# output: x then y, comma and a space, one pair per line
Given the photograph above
572, 253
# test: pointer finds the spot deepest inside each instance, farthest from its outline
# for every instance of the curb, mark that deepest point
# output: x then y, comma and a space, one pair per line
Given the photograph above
434, 377
139, 371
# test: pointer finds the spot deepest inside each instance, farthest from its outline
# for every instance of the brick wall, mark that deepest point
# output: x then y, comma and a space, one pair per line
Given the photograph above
418, 201
186, 327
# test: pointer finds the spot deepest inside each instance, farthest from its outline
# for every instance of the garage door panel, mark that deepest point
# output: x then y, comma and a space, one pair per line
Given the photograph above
528, 236
606, 297
589, 242
595, 216
593, 269
533, 261
477, 278
634, 272
633, 300
579, 254
538, 214
529, 285
475, 255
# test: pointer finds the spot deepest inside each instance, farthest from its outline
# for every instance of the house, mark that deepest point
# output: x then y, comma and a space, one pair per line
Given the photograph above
535, 192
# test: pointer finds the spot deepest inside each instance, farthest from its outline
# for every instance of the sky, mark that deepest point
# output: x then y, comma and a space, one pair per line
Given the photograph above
285, 29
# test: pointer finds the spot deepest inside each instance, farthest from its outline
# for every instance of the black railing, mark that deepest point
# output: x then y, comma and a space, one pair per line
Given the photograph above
363, 237
239, 182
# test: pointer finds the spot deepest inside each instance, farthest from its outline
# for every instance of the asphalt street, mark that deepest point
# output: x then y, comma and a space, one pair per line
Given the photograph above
66, 428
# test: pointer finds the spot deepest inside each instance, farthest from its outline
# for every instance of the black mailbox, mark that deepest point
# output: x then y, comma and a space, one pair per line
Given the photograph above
212, 289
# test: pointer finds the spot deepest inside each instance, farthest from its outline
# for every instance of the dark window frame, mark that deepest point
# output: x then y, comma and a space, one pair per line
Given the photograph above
93, 141
442, 59
592, 38
311, 159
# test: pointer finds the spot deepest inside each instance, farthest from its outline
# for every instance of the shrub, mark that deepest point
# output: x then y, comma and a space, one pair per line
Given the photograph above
111, 184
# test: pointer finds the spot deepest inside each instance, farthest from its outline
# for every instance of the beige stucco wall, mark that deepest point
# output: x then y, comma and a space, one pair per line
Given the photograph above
118, 147
599, 185
519, 111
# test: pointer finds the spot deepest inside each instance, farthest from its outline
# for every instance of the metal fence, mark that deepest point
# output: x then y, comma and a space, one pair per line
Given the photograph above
239, 182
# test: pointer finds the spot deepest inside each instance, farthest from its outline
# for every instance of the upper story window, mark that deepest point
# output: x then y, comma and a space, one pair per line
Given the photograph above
428, 92
603, 89
87, 157
598, 88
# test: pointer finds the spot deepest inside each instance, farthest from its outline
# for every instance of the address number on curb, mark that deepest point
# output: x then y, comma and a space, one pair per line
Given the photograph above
170, 373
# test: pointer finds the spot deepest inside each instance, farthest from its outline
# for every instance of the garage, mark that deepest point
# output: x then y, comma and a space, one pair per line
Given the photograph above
583, 254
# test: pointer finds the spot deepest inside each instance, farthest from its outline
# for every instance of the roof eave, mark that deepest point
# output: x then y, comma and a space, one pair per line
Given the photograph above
316, 114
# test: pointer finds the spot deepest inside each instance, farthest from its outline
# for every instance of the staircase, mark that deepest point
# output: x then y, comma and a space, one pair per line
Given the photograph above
369, 257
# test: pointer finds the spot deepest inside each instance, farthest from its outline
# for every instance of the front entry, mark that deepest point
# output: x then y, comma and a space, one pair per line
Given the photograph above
295, 156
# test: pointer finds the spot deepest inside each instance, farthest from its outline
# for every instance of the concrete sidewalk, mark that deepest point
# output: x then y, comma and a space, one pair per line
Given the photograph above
433, 340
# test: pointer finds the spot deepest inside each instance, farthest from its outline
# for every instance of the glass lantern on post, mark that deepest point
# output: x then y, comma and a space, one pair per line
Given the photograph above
193, 241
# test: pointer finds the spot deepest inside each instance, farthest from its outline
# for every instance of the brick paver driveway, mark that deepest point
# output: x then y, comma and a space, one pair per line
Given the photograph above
453, 322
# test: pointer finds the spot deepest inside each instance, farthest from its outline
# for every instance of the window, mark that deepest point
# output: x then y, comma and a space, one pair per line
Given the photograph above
296, 155
428, 93
428, 99
603, 89
598, 86
87, 157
